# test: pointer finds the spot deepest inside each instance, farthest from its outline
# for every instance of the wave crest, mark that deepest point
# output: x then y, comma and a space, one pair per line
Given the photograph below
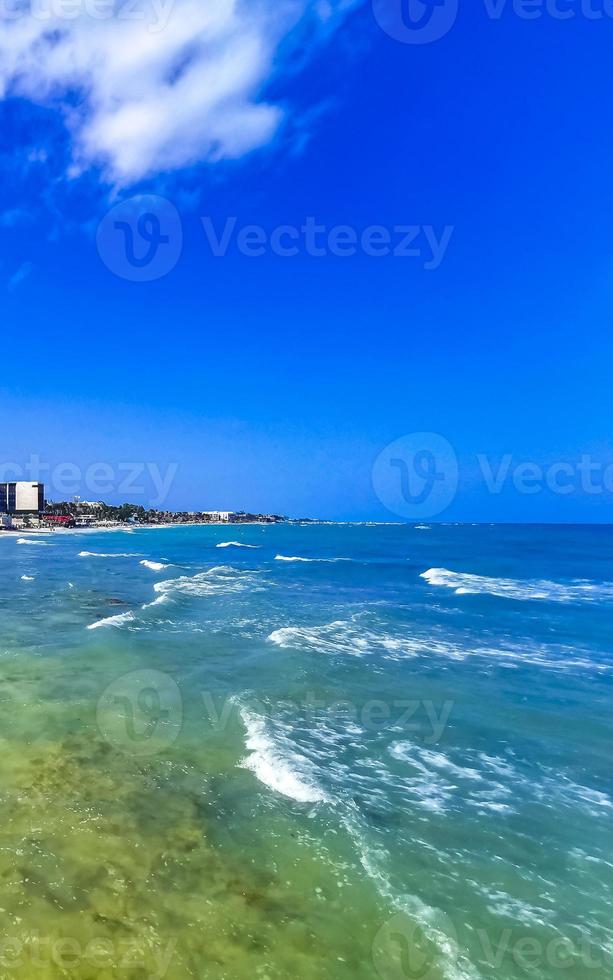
220, 580
154, 566
119, 620
466, 583
276, 764
235, 544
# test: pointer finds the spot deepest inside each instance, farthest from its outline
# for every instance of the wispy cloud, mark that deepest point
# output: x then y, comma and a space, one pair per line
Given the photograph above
13, 217
182, 84
19, 276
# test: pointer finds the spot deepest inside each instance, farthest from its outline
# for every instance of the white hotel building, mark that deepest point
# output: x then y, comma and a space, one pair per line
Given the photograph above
22, 499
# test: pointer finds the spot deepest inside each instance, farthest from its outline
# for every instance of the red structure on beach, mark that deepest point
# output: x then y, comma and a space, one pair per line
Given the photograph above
64, 519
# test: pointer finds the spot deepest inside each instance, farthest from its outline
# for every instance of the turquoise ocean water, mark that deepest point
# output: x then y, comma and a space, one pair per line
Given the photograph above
314, 751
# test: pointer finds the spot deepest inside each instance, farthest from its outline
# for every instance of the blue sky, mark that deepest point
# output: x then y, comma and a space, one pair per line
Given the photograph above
273, 382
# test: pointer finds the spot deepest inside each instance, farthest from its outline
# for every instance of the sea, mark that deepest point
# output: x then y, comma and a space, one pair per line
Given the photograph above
329, 751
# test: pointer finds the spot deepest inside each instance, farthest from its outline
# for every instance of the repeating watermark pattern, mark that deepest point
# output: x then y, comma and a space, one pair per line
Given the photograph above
153, 14
141, 239
69, 956
141, 713
417, 476
146, 481
424, 719
594, 10
416, 21
421, 242
427, 21
406, 949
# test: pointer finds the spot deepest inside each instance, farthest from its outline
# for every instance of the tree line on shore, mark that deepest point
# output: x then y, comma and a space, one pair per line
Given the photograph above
124, 513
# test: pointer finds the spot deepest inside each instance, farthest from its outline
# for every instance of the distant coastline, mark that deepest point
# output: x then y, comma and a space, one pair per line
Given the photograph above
72, 515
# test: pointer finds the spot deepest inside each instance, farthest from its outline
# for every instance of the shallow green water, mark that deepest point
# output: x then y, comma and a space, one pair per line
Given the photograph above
322, 769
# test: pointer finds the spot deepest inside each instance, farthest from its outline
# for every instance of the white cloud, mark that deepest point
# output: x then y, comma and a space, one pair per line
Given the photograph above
19, 276
152, 86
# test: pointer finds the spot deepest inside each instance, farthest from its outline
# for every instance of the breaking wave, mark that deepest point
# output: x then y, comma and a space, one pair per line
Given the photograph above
119, 620
99, 554
235, 544
279, 765
353, 638
343, 637
276, 764
296, 558
155, 566
156, 602
221, 580
465, 583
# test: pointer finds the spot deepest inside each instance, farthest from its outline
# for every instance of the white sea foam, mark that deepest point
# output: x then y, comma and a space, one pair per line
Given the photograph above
490, 783
427, 788
297, 558
440, 761
220, 580
156, 602
155, 566
292, 558
27, 578
501, 903
33, 541
357, 639
119, 620
235, 544
99, 554
276, 764
465, 583
594, 801
452, 965
342, 637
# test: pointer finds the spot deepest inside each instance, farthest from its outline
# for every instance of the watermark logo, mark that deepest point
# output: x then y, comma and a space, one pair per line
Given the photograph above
424, 243
403, 949
153, 15
430, 946
416, 476
416, 21
141, 713
141, 238
426, 21
46, 956
148, 482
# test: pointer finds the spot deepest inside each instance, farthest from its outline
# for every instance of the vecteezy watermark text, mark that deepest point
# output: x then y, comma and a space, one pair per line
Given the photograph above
424, 719
68, 954
142, 713
141, 239
147, 481
318, 240
427, 21
154, 15
406, 949
418, 475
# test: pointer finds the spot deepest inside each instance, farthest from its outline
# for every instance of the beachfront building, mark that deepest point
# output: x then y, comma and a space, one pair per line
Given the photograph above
22, 499
222, 516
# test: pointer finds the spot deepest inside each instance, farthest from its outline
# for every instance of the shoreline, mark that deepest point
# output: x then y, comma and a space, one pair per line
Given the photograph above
131, 528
